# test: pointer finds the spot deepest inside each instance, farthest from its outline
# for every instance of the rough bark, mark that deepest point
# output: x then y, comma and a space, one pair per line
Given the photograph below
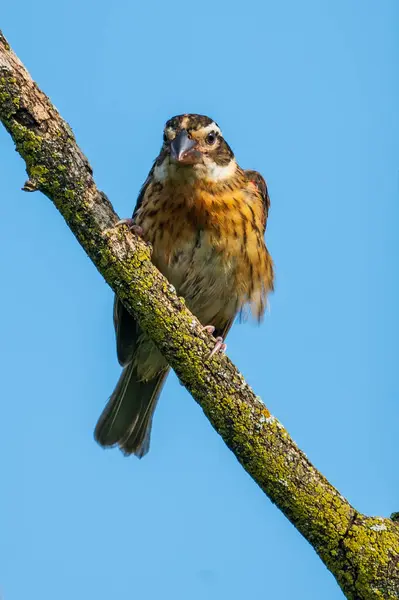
362, 552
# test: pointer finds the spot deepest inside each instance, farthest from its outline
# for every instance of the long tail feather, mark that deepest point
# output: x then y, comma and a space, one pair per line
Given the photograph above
127, 418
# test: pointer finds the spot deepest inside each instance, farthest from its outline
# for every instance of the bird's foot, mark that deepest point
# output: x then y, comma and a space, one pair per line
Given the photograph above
209, 329
136, 229
220, 346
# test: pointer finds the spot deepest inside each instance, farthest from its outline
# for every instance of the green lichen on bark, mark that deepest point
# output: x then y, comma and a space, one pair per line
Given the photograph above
362, 552
369, 568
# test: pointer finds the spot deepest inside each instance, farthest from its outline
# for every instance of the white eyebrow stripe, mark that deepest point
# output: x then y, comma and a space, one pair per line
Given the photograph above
211, 127
169, 131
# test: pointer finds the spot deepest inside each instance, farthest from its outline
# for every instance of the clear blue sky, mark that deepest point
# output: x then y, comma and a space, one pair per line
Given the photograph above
307, 93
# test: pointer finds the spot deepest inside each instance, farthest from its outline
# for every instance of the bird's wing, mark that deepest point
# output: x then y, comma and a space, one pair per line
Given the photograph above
127, 330
143, 190
259, 182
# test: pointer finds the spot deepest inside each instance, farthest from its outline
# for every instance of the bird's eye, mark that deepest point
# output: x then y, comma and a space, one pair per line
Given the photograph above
211, 138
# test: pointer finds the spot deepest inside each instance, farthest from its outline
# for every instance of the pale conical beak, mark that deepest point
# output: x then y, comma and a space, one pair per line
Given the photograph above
183, 149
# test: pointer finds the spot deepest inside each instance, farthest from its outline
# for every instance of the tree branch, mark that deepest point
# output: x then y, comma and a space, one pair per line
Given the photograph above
362, 552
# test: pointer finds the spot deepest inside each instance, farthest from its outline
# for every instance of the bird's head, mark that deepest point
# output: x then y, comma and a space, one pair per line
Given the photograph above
193, 147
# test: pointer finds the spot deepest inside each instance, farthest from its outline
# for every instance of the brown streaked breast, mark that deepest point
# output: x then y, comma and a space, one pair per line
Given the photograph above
227, 222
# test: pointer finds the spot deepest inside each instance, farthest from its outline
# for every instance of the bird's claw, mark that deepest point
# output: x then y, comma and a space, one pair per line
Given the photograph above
136, 229
220, 346
209, 329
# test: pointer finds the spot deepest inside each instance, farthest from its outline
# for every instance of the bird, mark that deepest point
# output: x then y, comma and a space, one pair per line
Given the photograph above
205, 218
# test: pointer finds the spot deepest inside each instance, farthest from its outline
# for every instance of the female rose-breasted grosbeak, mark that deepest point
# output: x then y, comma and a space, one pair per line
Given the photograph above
205, 218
